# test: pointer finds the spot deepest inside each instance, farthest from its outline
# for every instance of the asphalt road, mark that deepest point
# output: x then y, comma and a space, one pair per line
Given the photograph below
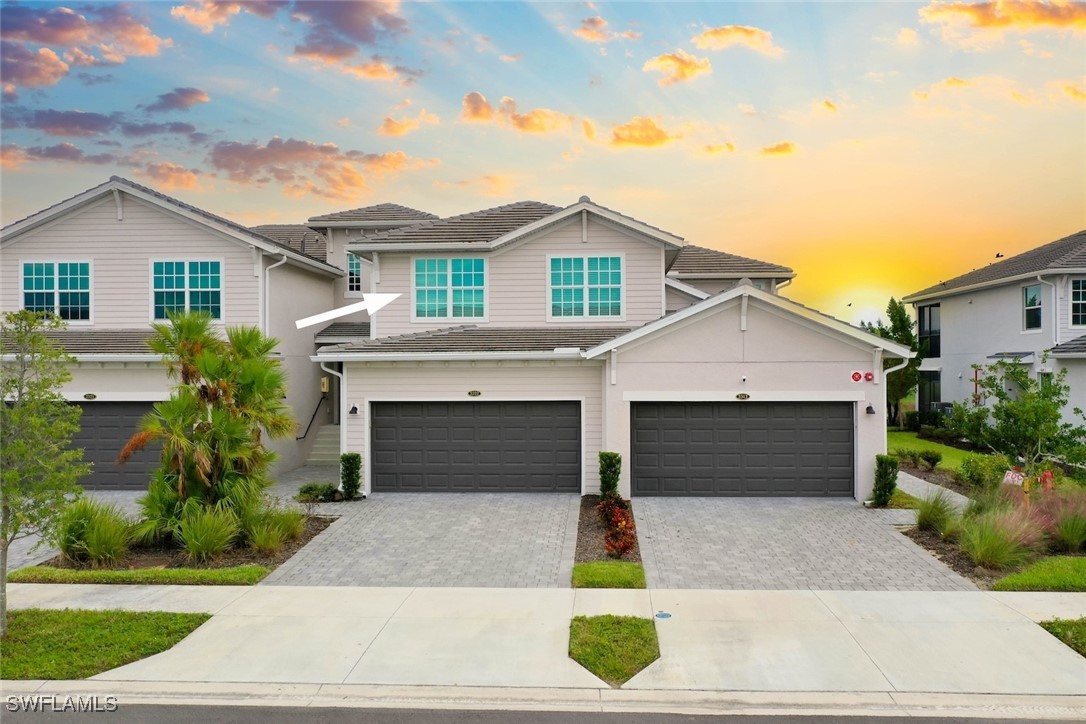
319, 715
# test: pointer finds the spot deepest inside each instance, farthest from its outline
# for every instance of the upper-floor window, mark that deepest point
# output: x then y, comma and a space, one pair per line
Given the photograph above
929, 330
354, 273
450, 288
1078, 302
1031, 307
59, 287
586, 286
187, 286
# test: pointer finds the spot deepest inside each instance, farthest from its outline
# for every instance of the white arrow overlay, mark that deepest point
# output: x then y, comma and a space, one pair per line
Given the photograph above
370, 303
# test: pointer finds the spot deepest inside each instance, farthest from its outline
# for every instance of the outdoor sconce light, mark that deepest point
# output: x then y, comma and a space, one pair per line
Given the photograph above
354, 410
870, 409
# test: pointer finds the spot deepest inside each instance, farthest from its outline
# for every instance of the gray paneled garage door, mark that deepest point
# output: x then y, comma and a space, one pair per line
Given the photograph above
524, 447
742, 448
105, 428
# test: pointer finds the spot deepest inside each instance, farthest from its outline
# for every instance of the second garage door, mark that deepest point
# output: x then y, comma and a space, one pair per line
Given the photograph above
105, 427
527, 447
742, 448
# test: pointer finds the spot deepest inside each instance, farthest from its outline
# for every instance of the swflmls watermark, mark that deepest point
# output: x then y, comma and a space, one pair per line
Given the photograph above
44, 703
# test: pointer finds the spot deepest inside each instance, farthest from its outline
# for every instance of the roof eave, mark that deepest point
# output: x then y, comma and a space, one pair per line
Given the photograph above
419, 246
735, 275
952, 291
558, 216
317, 224
345, 356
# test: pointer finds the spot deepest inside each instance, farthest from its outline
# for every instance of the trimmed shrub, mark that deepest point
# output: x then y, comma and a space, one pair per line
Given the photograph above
983, 472
934, 512
205, 533
931, 458
909, 455
290, 521
90, 531
266, 537
609, 506
912, 421
621, 534
610, 470
316, 493
885, 479
350, 474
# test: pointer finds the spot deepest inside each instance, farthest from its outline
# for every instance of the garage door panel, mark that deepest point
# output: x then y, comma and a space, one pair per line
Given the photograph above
477, 446
105, 427
736, 449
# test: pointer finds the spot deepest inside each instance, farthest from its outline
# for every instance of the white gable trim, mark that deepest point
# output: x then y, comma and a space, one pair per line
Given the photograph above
686, 288
588, 206
744, 292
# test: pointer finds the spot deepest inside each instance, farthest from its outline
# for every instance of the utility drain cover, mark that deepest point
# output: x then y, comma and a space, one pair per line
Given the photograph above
663, 615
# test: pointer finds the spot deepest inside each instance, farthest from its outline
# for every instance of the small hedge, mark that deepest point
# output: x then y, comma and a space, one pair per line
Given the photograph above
350, 474
233, 576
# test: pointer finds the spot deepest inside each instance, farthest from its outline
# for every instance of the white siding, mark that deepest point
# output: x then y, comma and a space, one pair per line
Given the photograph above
517, 290
509, 380
121, 254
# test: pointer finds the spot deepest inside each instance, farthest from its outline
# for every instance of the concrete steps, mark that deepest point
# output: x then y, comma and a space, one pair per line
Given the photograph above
325, 450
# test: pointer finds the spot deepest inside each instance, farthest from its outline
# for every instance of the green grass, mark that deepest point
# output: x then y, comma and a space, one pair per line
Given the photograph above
901, 499
72, 644
608, 574
613, 648
1070, 631
234, 576
1057, 573
952, 456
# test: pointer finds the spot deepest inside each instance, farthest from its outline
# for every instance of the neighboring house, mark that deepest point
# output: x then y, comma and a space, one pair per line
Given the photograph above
1023, 309
526, 339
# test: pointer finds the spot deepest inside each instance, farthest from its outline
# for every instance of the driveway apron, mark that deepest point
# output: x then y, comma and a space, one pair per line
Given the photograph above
782, 544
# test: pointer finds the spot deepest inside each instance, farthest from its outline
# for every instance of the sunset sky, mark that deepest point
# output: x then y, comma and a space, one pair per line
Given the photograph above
876, 148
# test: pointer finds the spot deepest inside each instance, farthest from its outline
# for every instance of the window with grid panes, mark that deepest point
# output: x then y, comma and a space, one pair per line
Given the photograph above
450, 288
187, 286
586, 286
59, 287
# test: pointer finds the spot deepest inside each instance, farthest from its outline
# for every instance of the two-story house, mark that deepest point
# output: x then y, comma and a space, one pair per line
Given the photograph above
526, 338
1029, 308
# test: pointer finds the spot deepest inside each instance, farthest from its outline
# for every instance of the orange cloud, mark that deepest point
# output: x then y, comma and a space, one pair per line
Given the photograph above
488, 185
907, 37
1020, 15
715, 149
784, 148
745, 35
677, 67
589, 129
475, 108
827, 105
594, 30
170, 176
1075, 92
12, 156
402, 126
641, 131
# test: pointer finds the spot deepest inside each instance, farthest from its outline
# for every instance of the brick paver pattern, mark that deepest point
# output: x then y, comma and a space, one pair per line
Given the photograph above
782, 544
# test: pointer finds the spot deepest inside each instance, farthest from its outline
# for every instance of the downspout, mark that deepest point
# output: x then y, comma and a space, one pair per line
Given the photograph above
267, 292
342, 412
885, 404
1055, 311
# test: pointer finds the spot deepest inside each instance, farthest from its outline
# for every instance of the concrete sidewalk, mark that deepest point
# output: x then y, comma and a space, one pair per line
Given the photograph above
770, 641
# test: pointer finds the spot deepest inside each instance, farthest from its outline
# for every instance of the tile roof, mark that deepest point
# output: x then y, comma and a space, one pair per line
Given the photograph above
342, 331
378, 213
1074, 346
698, 261
476, 226
103, 341
471, 338
1066, 253
300, 238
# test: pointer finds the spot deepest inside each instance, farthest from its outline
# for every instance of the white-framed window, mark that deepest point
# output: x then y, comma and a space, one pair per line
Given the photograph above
449, 288
1031, 307
585, 287
1078, 302
354, 273
186, 286
61, 287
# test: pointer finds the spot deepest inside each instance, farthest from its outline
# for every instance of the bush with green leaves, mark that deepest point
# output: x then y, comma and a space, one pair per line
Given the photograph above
266, 537
935, 512
316, 493
350, 474
912, 421
610, 470
908, 455
931, 458
885, 480
90, 531
1002, 538
1062, 512
968, 422
983, 472
207, 532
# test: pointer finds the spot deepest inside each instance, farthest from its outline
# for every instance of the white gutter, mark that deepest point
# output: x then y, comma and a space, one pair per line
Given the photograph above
916, 298
885, 404
342, 408
786, 282
267, 291
443, 356
1055, 311
104, 357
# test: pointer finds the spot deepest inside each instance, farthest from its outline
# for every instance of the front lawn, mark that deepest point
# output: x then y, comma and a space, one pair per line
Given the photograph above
1057, 573
234, 576
1070, 631
608, 574
952, 456
613, 648
901, 499
73, 644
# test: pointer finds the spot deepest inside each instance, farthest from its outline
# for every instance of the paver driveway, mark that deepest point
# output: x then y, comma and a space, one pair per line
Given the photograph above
507, 540
782, 544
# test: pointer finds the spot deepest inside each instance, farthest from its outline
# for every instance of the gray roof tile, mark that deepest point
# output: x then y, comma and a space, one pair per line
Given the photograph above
103, 341
339, 331
1066, 253
471, 338
1074, 346
380, 213
698, 261
300, 238
477, 226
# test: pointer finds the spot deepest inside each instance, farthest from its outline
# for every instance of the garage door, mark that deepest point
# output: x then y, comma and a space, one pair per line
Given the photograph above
105, 428
524, 447
742, 449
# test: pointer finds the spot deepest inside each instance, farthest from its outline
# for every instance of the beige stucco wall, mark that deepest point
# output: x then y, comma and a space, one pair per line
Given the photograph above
707, 357
118, 382
509, 380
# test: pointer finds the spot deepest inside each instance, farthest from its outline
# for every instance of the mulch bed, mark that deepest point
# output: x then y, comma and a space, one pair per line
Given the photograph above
943, 478
590, 532
163, 557
953, 557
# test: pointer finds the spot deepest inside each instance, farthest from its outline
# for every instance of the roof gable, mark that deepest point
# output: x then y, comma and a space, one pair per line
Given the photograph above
378, 215
1066, 254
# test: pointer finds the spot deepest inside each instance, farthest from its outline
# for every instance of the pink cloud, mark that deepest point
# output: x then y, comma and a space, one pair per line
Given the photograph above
594, 30
22, 67
170, 176
207, 14
475, 108
179, 99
